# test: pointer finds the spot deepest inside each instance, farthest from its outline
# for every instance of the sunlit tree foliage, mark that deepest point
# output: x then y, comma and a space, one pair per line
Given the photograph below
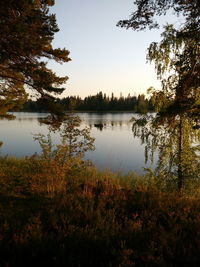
174, 131
26, 32
75, 140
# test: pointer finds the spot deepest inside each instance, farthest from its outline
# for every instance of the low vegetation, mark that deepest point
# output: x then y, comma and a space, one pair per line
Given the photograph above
73, 215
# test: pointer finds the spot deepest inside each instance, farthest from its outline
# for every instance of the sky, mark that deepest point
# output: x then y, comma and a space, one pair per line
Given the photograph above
104, 57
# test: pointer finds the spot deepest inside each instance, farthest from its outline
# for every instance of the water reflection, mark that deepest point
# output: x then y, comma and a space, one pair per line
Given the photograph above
116, 149
113, 124
99, 126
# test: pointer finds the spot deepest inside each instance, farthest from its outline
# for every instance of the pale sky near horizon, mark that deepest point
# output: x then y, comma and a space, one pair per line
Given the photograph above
104, 57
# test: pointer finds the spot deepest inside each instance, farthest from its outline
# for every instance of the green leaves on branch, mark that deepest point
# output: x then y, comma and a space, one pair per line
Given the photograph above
78, 139
174, 131
146, 12
177, 54
12, 97
75, 141
176, 142
26, 33
165, 54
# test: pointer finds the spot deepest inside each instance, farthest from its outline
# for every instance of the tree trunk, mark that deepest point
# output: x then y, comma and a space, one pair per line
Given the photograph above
180, 171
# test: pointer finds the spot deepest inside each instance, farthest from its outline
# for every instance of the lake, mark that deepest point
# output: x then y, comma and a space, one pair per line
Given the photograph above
115, 147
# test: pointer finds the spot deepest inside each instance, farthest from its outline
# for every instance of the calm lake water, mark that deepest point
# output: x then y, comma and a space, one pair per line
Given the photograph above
116, 148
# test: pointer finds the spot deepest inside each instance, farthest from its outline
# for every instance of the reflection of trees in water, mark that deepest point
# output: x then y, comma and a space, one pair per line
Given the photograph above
102, 125
113, 125
104, 121
176, 140
25, 119
53, 123
92, 121
99, 126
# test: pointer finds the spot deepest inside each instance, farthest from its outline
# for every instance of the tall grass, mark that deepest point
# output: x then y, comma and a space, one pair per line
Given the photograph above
74, 215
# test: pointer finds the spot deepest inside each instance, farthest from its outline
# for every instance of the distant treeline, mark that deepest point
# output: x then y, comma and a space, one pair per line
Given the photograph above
98, 102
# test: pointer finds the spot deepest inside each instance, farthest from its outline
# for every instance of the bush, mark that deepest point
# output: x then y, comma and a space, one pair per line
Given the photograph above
77, 216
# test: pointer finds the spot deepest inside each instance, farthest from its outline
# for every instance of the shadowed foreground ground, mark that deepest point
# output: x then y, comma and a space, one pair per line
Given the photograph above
76, 216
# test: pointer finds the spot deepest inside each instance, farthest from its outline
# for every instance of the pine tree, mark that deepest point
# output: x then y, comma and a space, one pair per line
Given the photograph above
26, 33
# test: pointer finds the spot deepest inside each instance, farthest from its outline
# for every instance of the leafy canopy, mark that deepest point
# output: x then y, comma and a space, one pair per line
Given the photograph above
178, 52
174, 131
148, 10
26, 32
75, 140
176, 142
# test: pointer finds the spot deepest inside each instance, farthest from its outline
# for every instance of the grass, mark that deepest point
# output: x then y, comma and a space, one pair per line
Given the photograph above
74, 215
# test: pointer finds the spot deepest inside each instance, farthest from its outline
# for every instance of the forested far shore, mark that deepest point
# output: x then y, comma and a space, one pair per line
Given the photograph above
98, 102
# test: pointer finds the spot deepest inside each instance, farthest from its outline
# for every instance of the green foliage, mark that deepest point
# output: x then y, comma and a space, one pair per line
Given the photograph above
176, 141
75, 141
147, 11
174, 132
27, 31
177, 54
12, 97
78, 139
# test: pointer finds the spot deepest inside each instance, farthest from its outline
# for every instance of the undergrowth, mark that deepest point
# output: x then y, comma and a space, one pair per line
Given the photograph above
74, 215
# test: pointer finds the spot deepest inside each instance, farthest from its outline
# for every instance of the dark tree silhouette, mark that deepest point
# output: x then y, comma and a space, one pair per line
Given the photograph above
26, 33
99, 102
